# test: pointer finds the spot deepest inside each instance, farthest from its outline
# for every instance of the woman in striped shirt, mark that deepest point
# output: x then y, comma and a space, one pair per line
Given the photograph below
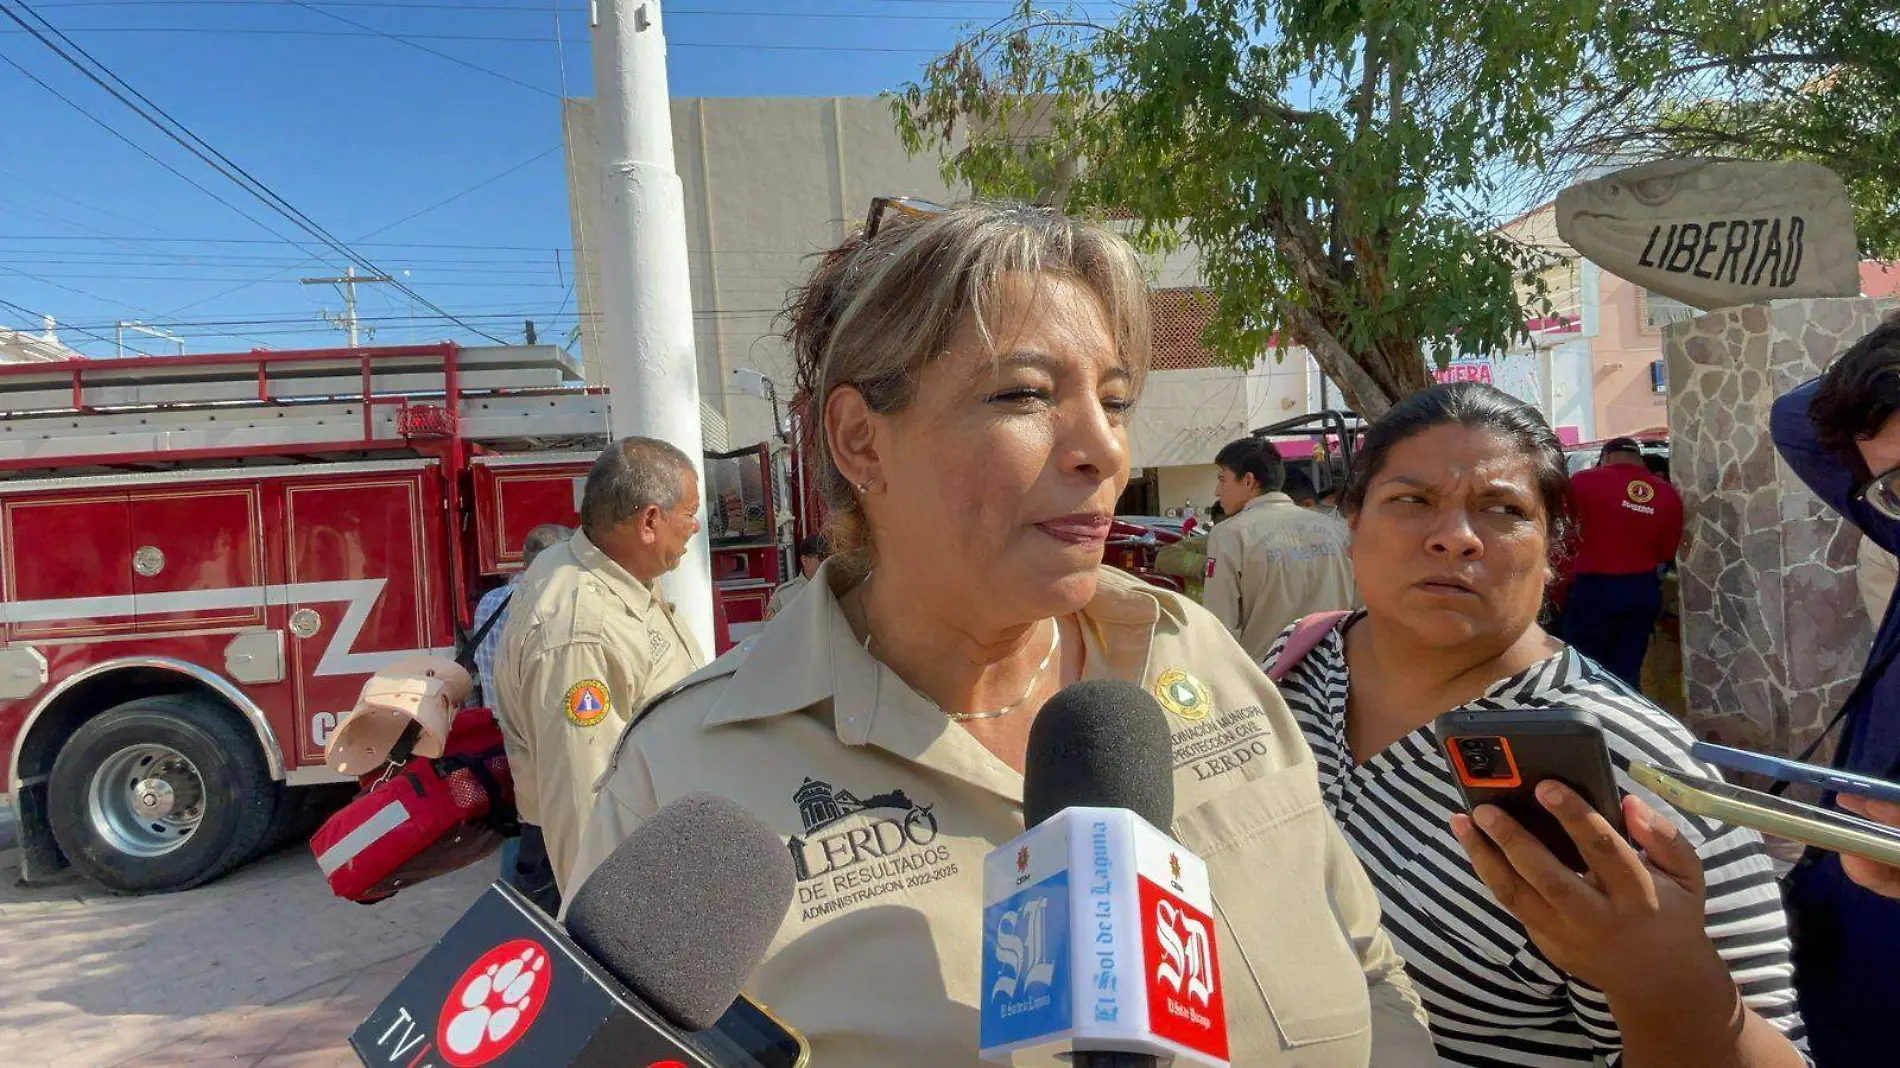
1676, 957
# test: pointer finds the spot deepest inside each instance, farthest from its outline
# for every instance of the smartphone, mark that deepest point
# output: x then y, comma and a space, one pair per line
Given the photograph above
1498, 758
749, 1035
1837, 832
1781, 769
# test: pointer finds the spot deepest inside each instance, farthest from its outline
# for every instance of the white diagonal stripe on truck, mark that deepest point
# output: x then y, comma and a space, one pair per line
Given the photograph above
360, 596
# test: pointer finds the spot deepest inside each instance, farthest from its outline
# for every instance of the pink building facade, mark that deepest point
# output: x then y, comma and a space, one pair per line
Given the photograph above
1612, 331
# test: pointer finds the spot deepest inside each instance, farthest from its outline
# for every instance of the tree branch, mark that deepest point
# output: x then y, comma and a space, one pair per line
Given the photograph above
1366, 396
1816, 59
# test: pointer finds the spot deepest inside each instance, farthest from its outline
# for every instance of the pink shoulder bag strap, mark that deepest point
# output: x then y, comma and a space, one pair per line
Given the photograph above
1306, 636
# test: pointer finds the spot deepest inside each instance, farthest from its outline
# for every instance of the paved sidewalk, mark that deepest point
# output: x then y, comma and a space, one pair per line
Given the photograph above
263, 967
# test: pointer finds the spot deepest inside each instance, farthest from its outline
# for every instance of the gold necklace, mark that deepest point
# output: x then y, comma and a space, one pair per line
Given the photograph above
1055, 645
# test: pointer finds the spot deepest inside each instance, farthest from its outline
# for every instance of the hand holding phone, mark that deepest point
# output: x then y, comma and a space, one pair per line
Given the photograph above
1633, 927
1882, 879
1500, 757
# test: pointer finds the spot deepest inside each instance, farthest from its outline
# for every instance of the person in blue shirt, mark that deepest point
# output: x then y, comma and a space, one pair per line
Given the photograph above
1841, 434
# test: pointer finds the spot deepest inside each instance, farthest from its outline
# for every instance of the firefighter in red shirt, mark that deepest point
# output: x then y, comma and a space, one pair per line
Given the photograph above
1630, 525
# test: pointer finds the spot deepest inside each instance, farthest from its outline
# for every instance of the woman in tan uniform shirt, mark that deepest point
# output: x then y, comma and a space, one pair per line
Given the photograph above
972, 372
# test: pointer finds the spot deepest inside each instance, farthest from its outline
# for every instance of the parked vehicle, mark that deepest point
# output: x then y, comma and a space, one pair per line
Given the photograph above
202, 558
1133, 542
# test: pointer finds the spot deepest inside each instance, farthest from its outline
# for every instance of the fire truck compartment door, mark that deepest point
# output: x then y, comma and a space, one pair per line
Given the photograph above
22, 672
196, 558
68, 566
256, 657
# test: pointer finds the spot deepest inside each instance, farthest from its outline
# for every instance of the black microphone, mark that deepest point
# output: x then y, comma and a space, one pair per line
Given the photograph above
1103, 743
646, 973
1098, 943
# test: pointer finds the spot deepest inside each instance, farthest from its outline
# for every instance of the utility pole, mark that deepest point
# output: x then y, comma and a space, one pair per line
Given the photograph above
651, 367
349, 281
119, 328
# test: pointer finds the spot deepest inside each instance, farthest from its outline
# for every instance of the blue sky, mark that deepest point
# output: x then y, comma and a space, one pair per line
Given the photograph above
358, 131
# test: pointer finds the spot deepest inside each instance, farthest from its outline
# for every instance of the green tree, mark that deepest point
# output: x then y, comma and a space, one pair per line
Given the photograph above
1335, 162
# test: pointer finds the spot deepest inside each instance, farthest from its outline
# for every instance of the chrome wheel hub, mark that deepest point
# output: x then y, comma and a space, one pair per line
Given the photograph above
146, 800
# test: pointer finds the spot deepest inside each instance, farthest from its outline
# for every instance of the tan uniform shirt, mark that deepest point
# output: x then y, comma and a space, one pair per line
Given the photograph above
585, 645
784, 594
1272, 564
888, 811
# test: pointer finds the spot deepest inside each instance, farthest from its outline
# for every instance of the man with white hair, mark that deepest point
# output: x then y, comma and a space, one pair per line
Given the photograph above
589, 640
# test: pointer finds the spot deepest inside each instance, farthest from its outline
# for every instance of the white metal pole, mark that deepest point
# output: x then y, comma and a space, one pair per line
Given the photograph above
349, 301
651, 368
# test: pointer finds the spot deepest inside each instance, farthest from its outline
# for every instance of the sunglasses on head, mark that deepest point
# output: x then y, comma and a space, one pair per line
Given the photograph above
1882, 493
908, 207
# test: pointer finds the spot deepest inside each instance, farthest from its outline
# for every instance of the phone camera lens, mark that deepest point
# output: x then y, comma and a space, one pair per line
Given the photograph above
1480, 756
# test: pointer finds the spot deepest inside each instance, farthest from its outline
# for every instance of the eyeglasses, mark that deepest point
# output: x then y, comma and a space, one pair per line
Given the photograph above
1882, 493
909, 207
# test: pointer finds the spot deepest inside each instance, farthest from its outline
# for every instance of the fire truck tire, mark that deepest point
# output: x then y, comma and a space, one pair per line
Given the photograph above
160, 794
286, 813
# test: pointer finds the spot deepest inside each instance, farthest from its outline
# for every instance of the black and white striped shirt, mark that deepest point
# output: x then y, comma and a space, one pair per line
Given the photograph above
1493, 998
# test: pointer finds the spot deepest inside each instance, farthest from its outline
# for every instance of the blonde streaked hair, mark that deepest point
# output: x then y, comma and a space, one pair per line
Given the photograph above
875, 313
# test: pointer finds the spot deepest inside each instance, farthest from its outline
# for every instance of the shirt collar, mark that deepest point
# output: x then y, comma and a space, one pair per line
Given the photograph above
1276, 497
637, 595
809, 657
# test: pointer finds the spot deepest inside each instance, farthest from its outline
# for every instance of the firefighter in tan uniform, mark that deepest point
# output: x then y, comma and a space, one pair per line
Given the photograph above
880, 723
588, 641
1271, 561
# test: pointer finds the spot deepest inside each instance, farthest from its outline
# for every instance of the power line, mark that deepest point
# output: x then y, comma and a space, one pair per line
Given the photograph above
420, 47
256, 31
303, 319
33, 316
258, 281
380, 244
56, 194
400, 286
147, 153
287, 241
476, 188
193, 143
577, 10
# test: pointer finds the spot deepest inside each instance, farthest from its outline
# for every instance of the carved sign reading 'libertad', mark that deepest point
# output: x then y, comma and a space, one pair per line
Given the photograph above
1718, 234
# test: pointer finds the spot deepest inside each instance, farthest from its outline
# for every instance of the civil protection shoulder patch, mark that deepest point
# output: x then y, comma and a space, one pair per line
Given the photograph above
587, 702
1182, 694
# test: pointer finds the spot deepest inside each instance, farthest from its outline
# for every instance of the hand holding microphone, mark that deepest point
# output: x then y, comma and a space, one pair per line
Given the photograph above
647, 973
1098, 936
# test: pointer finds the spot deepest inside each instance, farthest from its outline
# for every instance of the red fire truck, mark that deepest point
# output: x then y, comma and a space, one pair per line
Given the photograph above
203, 557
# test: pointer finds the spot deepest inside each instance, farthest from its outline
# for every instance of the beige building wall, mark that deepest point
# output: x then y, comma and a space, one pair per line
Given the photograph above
769, 183
1182, 485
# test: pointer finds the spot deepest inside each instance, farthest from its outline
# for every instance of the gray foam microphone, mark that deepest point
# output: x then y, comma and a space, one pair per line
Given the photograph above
685, 908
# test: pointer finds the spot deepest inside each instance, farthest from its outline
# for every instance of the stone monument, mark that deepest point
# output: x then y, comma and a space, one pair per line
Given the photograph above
1718, 234
1773, 634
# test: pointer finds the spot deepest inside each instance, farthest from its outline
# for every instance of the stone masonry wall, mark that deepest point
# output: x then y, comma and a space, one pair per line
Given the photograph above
1773, 633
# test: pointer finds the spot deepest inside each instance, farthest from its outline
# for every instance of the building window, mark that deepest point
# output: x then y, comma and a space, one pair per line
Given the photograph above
1659, 311
1659, 376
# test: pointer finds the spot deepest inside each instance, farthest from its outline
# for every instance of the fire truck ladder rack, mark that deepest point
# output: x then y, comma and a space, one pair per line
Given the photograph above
277, 406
